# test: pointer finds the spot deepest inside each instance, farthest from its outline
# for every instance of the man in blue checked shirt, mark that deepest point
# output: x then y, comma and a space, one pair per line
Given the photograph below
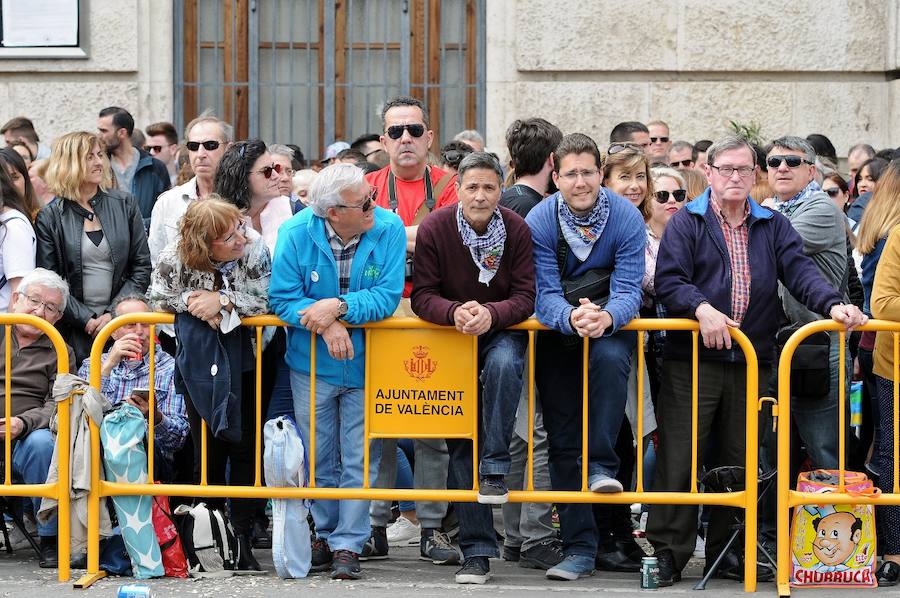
126, 367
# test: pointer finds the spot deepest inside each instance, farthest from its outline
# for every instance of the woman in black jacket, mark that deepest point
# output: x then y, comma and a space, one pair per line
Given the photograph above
92, 235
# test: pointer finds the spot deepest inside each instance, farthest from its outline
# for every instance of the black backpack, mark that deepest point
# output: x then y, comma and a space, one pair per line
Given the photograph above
209, 542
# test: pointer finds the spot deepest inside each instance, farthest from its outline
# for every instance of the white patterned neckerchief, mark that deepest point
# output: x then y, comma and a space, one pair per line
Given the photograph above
581, 232
487, 249
789, 206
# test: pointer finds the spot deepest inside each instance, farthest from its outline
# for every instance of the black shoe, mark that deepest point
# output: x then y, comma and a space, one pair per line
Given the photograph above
512, 553
492, 490
668, 573
321, 556
475, 570
542, 556
613, 559
436, 547
246, 560
78, 562
732, 567
376, 547
49, 557
259, 534
345, 565
888, 574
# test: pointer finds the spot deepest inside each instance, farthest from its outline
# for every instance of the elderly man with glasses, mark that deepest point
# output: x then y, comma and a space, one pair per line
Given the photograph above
710, 252
41, 293
340, 261
589, 261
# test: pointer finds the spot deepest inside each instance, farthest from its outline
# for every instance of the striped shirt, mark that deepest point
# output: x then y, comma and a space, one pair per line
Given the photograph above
736, 241
172, 429
343, 255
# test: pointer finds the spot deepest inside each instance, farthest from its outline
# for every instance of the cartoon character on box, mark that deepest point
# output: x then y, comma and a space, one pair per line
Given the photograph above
837, 538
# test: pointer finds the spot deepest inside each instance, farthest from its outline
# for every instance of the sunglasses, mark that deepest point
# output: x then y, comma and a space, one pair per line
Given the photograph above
682, 163
396, 131
833, 192
678, 195
616, 148
366, 205
153, 148
267, 171
791, 161
209, 145
660, 139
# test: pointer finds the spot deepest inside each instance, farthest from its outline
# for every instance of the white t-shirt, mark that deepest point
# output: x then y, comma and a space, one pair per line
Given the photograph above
17, 249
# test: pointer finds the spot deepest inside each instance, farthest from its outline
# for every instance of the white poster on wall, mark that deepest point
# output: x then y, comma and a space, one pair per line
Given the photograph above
40, 23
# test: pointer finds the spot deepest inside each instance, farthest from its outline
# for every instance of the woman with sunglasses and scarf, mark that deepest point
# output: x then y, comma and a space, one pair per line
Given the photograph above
92, 235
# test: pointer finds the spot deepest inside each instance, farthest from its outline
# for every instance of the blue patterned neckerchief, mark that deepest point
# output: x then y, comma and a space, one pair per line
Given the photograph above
789, 206
487, 249
581, 232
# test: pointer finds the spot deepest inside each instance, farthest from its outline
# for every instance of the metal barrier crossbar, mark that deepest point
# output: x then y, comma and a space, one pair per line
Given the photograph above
745, 499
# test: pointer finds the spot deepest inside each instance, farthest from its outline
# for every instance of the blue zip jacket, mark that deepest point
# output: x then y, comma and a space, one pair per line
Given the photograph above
304, 270
693, 267
151, 178
620, 248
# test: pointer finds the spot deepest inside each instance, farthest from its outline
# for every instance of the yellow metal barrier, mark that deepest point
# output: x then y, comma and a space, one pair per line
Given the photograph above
745, 499
788, 498
60, 490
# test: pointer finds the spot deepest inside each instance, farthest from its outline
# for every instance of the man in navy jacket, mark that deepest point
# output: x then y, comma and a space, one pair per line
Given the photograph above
708, 256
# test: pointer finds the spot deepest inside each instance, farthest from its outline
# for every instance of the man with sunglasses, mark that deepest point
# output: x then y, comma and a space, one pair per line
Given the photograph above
412, 189
341, 260
162, 144
631, 132
682, 154
710, 252
206, 139
660, 143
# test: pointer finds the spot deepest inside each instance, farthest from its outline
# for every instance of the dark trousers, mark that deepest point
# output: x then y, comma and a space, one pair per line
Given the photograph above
559, 377
721, 408
614, 521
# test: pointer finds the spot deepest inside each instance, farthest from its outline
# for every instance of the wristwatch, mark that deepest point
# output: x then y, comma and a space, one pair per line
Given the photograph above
342, 308
223, 299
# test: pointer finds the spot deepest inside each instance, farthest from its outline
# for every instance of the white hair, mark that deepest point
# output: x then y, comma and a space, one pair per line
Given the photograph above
325, 191
304, 178
281, 150
469, 135
47, 279
658, 172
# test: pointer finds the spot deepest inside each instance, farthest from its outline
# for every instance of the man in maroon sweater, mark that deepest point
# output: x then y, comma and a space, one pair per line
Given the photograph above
474, 270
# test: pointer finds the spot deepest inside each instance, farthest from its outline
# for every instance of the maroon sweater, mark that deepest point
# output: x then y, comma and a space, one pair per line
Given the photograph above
445, 277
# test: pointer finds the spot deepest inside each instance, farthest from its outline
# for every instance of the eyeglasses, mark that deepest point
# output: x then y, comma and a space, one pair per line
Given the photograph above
155, 149
791, 161
287, 171
267, 171
833, 192
727, 171
240, 229
616, 148
682, 163
396, 131
34, 302
573, 175
366, 205
208, 145
660, 139
678, 195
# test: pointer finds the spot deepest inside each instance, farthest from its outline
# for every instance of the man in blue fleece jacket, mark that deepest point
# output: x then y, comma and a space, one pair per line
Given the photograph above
343, 259
600, 230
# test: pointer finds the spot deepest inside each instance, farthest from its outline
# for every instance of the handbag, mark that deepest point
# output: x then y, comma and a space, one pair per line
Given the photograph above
592, 285
810, 366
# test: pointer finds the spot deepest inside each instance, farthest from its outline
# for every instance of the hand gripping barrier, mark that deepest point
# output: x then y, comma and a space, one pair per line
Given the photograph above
420, 333
59, 490
788, 498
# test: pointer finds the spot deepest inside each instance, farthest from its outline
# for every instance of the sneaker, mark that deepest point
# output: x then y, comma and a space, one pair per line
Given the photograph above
321, 556
543, 556
492, 490
404, 532
436, 547
376, 547
512, 554
605, 484
345, 565
571, 568
474, 570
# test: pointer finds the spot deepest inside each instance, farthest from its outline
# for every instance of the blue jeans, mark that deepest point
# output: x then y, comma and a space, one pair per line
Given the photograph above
30, 464
282, 400
340, 413
405, 460
558, 371
501, 356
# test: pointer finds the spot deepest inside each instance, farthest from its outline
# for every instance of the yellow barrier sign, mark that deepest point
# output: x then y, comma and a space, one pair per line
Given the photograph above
420, 383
